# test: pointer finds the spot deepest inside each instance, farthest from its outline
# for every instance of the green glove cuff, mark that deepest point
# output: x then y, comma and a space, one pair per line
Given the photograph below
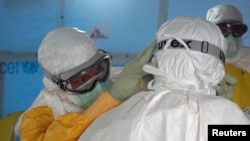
116, 94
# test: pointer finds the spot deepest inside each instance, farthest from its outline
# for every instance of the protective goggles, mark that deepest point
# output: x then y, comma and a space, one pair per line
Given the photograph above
235, 28
201, 46
84, 78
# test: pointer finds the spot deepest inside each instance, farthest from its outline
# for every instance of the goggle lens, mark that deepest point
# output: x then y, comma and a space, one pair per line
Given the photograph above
236, 29
85, 76
86, 80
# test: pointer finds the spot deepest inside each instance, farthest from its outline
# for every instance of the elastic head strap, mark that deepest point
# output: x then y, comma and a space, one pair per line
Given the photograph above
100, 54
201, 46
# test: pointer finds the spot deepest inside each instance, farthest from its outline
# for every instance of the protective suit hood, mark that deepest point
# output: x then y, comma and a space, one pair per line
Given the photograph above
65, 48
224, 12
186, 69
61, 50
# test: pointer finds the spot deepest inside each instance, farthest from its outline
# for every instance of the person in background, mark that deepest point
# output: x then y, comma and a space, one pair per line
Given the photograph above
181, 101
78, 86
230, 20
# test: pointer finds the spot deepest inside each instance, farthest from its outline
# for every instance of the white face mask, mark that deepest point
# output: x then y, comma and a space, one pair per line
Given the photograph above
86, 99
234, 44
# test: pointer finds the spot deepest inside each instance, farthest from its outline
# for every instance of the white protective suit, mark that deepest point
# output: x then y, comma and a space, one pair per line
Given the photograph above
182, 101
63, 49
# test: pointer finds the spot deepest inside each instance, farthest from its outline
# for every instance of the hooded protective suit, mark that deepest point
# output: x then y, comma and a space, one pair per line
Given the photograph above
50, 115
237, 60
182, 101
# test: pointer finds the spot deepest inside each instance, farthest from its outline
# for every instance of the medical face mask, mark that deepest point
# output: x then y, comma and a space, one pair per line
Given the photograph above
234, 44
84, 100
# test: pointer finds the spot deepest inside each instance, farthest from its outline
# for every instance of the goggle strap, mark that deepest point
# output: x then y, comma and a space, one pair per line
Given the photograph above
54, 79
201, 46
99, 55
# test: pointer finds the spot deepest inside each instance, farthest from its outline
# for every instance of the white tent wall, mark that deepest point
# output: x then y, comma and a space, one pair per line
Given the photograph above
127, 27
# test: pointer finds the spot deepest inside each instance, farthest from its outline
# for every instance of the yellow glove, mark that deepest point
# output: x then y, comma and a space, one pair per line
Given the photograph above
225, 87
71, 125
133, 79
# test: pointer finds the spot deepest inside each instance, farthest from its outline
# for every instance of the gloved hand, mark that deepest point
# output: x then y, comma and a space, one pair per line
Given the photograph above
132, 78
247, 112
225, 87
